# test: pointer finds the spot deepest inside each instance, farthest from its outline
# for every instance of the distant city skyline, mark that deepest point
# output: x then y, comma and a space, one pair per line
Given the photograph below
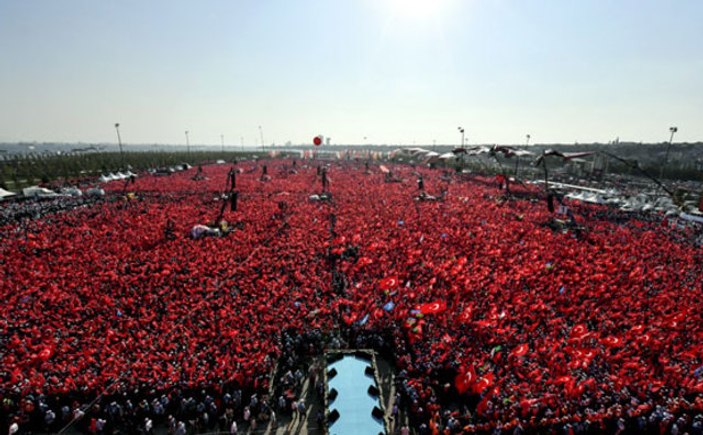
358, 71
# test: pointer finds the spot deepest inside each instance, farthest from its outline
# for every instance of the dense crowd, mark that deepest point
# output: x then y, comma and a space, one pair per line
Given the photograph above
495, 320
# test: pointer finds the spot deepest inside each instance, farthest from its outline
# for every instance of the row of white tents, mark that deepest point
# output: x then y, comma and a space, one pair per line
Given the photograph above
38, 192
641, 202
118, 176
71, 192
428, 156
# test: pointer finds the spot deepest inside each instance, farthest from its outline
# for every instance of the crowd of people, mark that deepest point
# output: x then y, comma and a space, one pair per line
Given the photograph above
495, 320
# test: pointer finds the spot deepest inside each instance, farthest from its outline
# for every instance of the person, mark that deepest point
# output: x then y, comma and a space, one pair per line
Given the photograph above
264, 174
301, 408
294, 410
199, 174
169, 230
181, 428
420, 183
148, 426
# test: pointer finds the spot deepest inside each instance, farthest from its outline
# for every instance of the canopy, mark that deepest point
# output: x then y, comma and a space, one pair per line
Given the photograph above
5, 194
38, 192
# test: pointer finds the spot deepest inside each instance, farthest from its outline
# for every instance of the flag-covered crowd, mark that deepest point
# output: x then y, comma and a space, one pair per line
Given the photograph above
495, 321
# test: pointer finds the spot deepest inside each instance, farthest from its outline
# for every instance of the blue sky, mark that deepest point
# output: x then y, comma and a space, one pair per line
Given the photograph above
390, 71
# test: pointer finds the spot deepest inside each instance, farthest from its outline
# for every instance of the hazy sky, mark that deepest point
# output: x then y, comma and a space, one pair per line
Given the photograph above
393, 71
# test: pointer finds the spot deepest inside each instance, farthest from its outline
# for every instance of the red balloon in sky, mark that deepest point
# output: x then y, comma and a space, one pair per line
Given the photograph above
317, 141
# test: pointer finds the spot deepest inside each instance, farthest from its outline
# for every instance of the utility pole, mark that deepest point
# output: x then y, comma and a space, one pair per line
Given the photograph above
668, 147
119, 141
187, 144
222, 139
261, 132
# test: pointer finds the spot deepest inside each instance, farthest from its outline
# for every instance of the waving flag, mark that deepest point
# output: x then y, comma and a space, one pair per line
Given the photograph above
483, 383
363, 320
466, 315
388, 283
612, 342
521, 350
464, 380
564, 156
433, 307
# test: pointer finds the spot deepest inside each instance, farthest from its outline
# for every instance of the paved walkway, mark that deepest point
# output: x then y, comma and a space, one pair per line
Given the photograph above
307, 424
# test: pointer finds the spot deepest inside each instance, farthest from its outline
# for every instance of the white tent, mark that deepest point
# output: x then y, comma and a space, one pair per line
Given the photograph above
38, 192
95, 191
5, 194
71, 191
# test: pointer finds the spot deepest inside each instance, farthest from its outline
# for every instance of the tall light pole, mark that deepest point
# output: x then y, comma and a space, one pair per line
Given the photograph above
517, 158
187, 144
461, 130
222, 139
668, 147
261, 132
119, 141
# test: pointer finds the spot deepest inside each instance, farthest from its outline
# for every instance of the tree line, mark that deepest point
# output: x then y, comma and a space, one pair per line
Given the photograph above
22, 170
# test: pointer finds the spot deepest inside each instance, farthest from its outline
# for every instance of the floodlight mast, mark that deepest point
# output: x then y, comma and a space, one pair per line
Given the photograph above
119, 142
261, 133
672, 130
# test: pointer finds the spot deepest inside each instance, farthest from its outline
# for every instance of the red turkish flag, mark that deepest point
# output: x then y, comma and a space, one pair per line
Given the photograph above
483, 383
521, 350
464, 381
388, 283
466, 315
433, 307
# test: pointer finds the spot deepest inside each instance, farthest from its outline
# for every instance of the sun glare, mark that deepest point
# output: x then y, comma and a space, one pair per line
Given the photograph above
416, 9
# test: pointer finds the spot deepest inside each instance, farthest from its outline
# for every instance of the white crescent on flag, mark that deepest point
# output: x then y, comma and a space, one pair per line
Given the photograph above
521, 350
